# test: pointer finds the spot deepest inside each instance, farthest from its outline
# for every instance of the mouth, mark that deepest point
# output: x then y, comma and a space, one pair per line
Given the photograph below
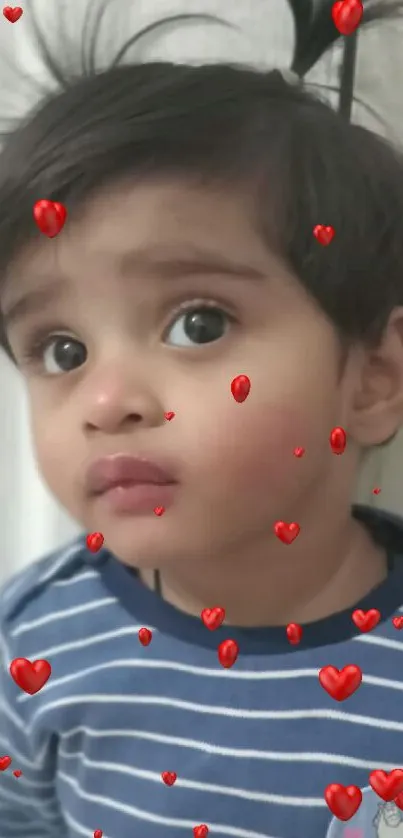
130, 484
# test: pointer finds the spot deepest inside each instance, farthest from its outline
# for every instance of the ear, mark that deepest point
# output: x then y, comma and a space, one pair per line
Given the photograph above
377, 405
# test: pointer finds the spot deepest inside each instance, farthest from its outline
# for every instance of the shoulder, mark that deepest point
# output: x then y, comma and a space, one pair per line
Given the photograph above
50, 578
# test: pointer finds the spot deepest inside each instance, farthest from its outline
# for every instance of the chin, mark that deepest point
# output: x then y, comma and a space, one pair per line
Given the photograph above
143, 543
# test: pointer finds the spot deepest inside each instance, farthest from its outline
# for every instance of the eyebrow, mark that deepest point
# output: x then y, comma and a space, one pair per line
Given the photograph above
161, 262
176, 262
32, 302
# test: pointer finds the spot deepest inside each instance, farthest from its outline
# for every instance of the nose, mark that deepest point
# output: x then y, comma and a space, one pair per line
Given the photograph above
116, 400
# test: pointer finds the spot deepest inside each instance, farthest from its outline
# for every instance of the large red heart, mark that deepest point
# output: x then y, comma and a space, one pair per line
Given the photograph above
347, 15
340, 684
294, 633
386, 785
287, 533
50, 217
343, 801
324, 234
213, 618
5, 762
12, 13
169, 777
397, 622
228, 652
366, 620
30, 677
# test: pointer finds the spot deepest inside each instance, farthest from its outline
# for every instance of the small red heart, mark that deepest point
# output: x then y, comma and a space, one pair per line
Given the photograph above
347, 15
294, 633
5, 762
340, 684
366, 620
228, 652
145, 636
287, 533
94, 541
213, 618
30, 677
376, 491
98, 833
17, 773
387, 785
169, 415
399, 800
50, 217
169, 777
343, 801
338, 440
200, 831
299, 452
159, 510
397, 622
323, 234
240, 388
12, 13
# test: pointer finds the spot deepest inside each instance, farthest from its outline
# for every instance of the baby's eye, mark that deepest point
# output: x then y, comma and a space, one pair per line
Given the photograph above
61, 354
197, 326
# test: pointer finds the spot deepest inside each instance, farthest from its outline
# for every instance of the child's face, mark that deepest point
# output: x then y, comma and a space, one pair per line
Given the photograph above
116, 278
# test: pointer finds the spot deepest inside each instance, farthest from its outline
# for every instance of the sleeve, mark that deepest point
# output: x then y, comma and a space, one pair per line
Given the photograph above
28, 805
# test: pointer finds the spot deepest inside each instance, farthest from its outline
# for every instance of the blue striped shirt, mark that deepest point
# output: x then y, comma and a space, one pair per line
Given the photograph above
253, 746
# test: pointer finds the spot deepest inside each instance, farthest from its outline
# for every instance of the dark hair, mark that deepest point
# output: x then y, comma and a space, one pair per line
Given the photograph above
304, 163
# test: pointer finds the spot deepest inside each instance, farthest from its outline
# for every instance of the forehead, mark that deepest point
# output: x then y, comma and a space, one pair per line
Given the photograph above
145, 215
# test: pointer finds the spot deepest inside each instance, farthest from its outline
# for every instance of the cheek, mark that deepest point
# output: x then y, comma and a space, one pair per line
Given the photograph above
253, 448
294, 402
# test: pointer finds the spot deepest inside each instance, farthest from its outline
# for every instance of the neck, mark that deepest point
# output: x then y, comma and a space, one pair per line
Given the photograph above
270, 583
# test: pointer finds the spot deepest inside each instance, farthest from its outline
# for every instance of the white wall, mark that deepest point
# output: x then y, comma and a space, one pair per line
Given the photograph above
31, 523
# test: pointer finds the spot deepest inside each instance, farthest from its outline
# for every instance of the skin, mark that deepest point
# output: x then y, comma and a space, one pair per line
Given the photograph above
234, 462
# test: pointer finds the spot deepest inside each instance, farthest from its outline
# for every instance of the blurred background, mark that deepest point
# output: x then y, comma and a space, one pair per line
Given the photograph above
258, 32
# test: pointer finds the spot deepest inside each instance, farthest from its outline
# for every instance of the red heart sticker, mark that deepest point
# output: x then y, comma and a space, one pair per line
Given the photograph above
294, 633
159, 510
169, 777
17, 773
200, 831
98, 833
299, 452
338, 440
213, 618
347, 15
287, 533
399, 800
340, 684
169, 415
228, 652
324, 235
145, 636
5, 762
343, 801
94, 541
240, 388
366, 620
12, 13
387, 785
50, 217
30, 677
397, 622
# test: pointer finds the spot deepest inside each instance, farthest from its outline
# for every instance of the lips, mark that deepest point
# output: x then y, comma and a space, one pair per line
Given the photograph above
121, 470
